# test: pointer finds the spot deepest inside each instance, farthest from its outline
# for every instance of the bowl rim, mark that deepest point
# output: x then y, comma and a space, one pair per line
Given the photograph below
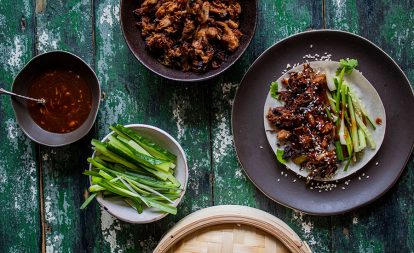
94, 113
182, 153
206, 77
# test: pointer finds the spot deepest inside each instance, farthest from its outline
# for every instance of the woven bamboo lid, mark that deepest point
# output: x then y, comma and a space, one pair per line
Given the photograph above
231, 229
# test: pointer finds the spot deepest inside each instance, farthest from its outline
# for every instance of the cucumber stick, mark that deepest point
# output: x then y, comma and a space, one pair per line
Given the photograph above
368, 135
124, 150
147, 144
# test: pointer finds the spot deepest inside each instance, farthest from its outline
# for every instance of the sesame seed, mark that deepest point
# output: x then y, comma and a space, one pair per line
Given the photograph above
294, 180
367, 176
278, 179
359, 178
376, 163
343, 188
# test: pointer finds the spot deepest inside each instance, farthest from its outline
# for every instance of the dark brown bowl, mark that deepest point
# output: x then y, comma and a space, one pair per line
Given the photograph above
40, 63
136, 44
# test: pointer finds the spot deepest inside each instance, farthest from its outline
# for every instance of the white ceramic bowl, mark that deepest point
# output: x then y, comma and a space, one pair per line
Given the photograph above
118, 208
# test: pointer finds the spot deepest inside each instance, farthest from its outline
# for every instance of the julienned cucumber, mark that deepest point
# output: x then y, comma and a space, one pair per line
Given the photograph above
137, 156
147, 144
133, 168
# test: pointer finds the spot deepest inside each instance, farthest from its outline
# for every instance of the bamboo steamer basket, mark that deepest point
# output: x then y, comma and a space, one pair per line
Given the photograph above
231, 229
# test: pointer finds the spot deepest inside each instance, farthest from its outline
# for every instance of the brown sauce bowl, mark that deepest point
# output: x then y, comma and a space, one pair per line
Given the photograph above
39, 64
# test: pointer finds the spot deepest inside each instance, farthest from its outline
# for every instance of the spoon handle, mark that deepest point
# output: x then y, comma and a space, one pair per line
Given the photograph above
41, 100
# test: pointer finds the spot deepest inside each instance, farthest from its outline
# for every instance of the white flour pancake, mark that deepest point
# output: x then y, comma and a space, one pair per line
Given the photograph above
369, 99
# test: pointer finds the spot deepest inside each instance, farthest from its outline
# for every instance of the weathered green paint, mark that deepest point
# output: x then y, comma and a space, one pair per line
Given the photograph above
19, 207
66, 227
387, 224
198, 116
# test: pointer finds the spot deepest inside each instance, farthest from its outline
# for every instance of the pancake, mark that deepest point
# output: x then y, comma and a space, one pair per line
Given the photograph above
369, 98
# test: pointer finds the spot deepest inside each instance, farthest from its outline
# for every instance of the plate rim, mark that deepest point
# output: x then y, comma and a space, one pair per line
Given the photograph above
348, 209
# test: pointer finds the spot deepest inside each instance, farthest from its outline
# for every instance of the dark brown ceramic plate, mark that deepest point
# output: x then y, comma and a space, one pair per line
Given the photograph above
136, 44
258, 159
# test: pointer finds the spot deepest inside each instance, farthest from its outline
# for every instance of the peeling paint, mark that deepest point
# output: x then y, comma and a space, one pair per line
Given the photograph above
109, 226
18, 141
54, 243
48, 41
3, 177
114, 106
239, 173
14, 54
222, 140
107, 14
345, 15
45, 156
49, 215
13, 133
16, 204
2, 20
179, 106
57, 208
396, 32
306, 227
355, 220
27, 7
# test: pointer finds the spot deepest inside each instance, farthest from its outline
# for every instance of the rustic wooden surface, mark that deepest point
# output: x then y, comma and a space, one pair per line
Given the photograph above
41, 188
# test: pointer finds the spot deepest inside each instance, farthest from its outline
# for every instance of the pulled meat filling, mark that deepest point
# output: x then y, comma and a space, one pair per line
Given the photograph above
303, 125
190, 35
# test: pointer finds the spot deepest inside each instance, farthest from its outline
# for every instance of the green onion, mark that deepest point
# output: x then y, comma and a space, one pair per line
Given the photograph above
347, 164
279, 156
339, 152
88, 200
354, 130
348, 140
122, 167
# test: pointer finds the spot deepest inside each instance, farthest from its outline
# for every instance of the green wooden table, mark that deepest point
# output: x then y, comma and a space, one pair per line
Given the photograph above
41, 188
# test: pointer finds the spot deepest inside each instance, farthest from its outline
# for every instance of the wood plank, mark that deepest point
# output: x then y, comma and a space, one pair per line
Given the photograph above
136, 95
277, 20
66, 227
19, 189
387, 225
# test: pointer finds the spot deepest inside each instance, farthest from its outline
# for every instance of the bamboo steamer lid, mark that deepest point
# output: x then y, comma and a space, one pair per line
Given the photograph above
231, 229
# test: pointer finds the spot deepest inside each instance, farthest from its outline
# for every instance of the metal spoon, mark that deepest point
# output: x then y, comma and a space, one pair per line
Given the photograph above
37, 100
